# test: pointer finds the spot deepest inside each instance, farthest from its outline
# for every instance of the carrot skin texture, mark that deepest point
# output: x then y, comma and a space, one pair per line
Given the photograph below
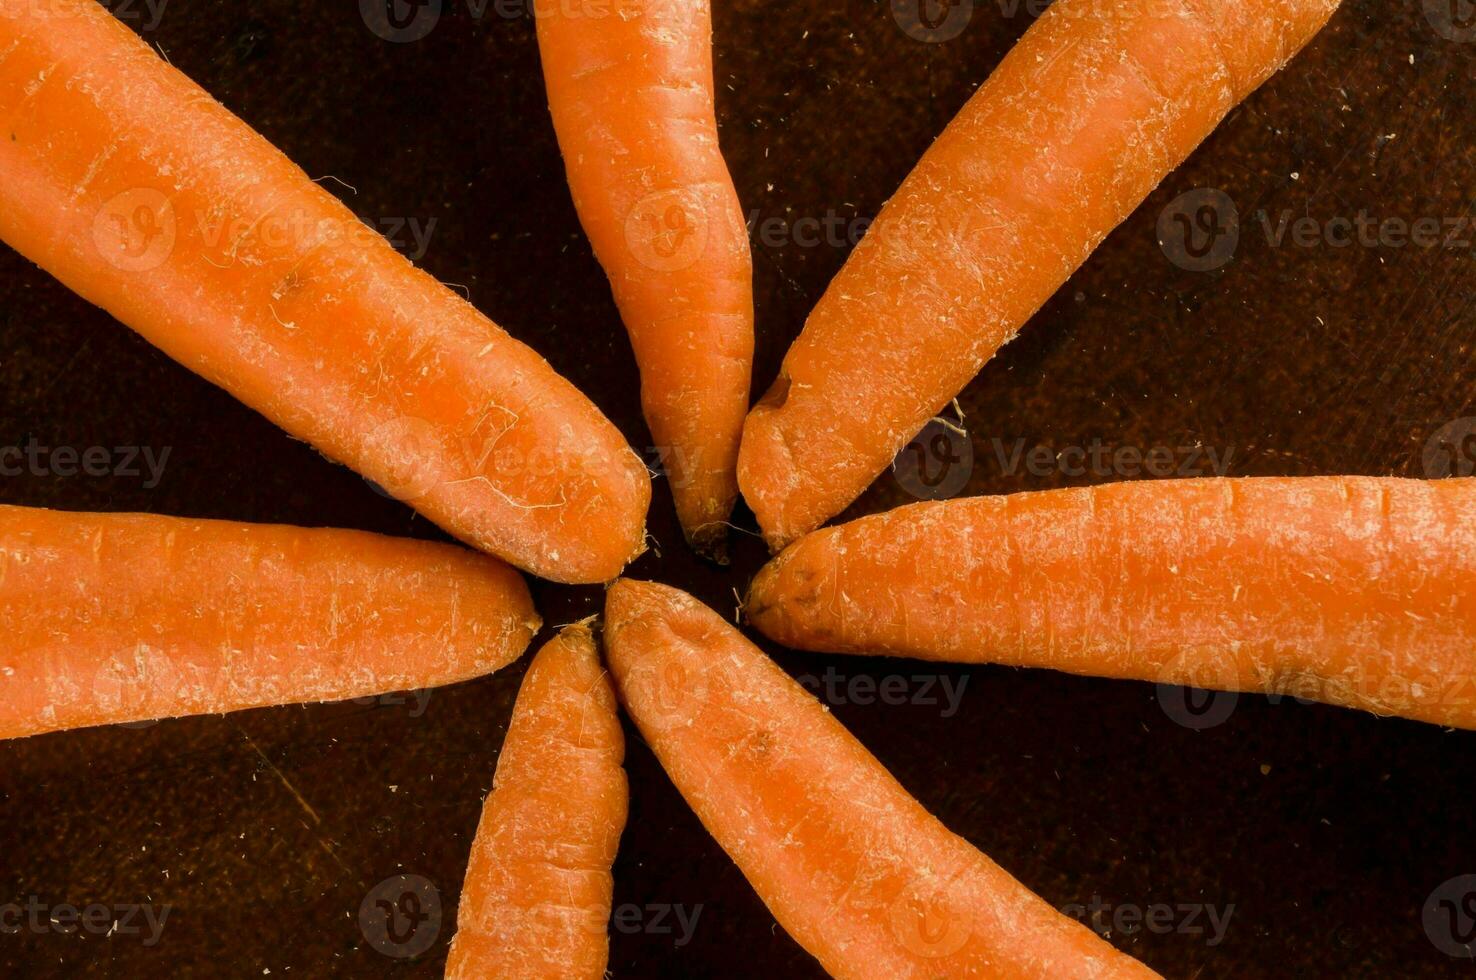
132, 186
111, 618
1357, 591
1093, 107
853, 867
536, 903
630, 87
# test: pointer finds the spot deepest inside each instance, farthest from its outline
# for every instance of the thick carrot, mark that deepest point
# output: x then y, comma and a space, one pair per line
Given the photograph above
536, 903
131, 185
852, 866
111, 618
630, 87
1095, 105
1356, 591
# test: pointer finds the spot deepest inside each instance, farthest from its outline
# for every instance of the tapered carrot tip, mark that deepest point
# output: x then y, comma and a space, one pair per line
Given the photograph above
650, 613
786, 599
778, 585
538, 889
768, 474
236, 264
1093, 107
855, 869
112, 618
1358, 591
631, 99
711, 542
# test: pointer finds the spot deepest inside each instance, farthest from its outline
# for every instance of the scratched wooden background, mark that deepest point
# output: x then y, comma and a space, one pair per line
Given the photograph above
1321, 833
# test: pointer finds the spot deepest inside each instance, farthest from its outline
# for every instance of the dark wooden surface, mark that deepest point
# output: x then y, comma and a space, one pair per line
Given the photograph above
264, 832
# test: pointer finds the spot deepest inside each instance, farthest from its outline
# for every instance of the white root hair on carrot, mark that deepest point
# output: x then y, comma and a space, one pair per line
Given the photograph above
338, 180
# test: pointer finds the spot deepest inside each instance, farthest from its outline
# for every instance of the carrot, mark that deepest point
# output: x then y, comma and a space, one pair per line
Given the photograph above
1095, 105
113, 618
1356, 591
630, 87
132, 186
852, 866
538, 889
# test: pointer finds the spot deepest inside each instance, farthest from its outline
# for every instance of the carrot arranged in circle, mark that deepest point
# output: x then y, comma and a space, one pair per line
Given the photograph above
112, 618
536, 903
630, 87
1357, 591
1095, 105
132, 186
852, 866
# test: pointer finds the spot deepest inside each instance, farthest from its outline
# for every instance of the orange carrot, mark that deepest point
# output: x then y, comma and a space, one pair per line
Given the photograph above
113, 618
537, 897
1356, 591
631, 91
1095, 105
131, 185
852, 866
